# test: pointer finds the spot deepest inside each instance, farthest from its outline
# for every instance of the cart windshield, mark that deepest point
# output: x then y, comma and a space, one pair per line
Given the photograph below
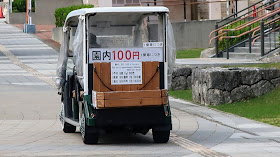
125, 30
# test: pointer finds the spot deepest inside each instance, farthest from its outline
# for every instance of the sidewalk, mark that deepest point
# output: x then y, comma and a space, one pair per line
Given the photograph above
26, 57
44, 33
225, 133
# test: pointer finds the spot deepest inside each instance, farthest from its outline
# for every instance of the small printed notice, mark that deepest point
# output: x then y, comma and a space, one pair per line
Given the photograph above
153, 44
123, 73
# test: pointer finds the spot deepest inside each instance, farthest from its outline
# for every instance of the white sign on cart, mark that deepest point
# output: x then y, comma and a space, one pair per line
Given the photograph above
126, 73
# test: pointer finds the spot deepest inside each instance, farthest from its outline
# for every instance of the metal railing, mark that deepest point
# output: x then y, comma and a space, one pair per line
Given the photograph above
248, 27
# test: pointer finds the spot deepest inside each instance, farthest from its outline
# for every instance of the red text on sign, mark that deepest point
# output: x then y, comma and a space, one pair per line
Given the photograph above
127, 55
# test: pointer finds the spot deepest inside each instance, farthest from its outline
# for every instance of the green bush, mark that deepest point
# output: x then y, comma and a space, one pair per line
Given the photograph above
20, 6
232, 41
61, 13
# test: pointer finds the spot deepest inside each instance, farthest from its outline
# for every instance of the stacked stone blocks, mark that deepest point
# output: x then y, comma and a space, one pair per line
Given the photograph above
181, 79
214, 86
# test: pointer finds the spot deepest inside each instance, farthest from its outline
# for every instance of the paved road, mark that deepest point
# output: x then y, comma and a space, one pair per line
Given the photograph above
29, 124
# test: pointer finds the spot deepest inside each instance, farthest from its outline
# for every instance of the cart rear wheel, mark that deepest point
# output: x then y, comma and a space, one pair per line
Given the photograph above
89, 134
161, 136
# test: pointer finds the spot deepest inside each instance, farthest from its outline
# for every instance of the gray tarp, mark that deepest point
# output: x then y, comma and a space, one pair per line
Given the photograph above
78, 51
62, 62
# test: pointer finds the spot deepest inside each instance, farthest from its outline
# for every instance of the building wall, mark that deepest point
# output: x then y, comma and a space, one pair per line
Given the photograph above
224, 9
203, 10
193, 34
44, 12
214, 10
177, 12
94, 2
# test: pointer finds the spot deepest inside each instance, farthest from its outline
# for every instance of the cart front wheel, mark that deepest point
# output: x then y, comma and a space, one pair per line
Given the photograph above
161, 136
89, 134
66, 127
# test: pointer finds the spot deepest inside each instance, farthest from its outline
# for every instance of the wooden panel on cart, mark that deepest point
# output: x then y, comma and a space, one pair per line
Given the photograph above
104, 72
131, 98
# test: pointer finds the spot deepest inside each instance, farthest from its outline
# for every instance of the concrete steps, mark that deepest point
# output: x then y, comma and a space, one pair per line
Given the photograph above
242, 52
258, 44
242, 55
253, 49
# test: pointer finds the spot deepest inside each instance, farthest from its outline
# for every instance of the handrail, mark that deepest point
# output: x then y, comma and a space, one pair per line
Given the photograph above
252, 21
239, 11
218, 36
253, 43
245, 24
244, 33
242, 18
273, 21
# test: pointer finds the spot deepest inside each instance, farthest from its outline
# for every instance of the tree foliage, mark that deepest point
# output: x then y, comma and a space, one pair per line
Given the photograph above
20, 5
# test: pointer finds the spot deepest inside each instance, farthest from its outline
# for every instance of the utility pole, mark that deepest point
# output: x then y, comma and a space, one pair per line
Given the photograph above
10, 6
185, 16
29, 4
27, 11
28, 26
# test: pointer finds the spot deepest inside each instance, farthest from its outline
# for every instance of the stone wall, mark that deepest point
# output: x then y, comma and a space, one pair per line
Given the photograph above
214, 86
181, 79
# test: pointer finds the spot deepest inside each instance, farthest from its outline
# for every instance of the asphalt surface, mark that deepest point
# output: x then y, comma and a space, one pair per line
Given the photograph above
29, 123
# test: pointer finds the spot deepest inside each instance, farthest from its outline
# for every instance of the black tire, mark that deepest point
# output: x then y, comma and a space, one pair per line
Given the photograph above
161, 136
66, 110
67, 100
66, 127
89, 134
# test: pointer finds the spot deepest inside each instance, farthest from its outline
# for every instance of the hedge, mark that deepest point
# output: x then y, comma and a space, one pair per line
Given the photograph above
232, 41
61, 13
20, 6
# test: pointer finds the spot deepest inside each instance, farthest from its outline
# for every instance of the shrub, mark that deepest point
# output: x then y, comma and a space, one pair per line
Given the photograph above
232, 41
61, 13
20, 6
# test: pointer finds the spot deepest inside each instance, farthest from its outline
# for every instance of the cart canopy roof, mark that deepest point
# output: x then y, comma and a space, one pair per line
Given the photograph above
72, 17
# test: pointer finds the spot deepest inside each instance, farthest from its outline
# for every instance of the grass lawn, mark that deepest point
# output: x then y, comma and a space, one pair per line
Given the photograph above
265, 108
190, 53
182, 94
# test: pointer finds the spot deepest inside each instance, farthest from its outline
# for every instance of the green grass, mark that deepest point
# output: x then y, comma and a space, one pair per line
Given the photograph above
182, 94
265, 108
190, 53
